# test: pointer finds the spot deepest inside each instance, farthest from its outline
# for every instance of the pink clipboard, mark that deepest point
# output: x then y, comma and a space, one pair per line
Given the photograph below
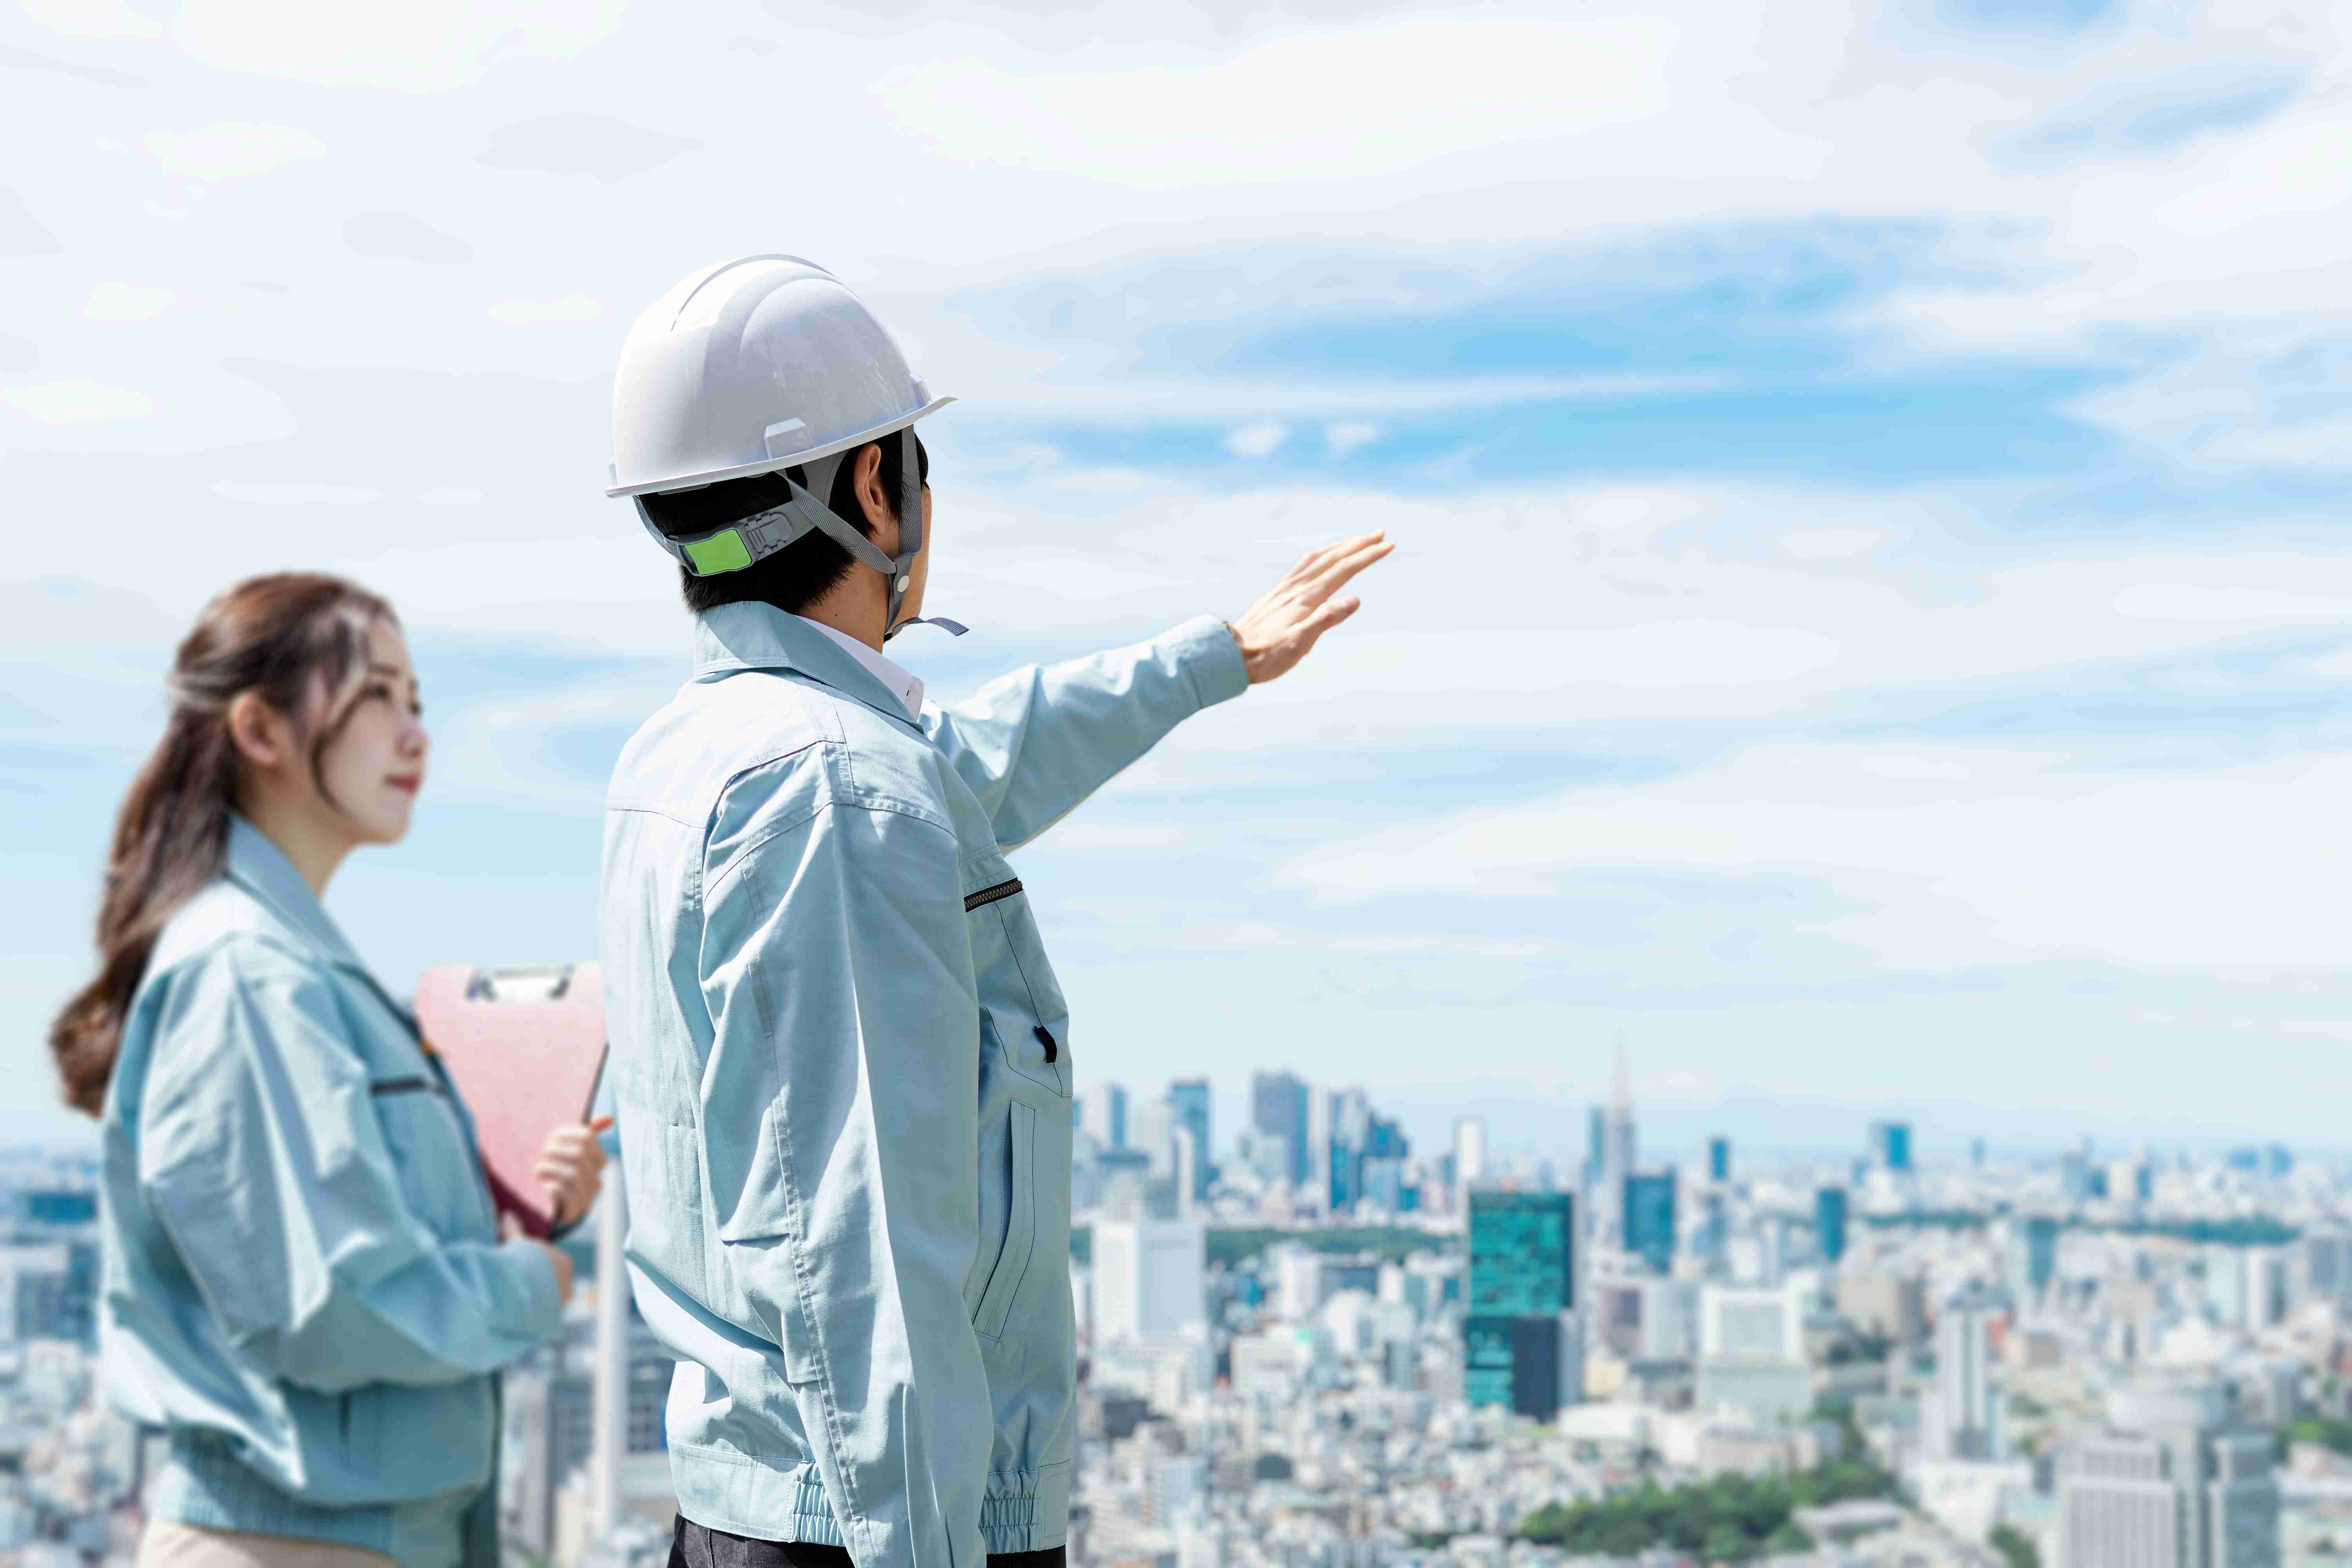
525, 1048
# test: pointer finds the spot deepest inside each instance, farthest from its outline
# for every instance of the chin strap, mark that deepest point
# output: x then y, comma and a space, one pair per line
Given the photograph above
752, 539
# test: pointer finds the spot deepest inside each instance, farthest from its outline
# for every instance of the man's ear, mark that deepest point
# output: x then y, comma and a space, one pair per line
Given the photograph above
258, 731
874, 500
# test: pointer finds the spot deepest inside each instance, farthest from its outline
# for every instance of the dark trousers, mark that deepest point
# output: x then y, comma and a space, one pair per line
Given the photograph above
695, 1545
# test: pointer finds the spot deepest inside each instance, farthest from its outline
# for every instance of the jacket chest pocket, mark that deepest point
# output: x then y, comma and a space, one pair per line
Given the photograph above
1023, 1019
429, 1154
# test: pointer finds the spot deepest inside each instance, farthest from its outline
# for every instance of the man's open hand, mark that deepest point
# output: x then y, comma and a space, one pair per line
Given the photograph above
1280, 628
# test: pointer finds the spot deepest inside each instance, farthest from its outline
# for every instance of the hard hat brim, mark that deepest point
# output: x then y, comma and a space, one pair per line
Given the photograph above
776, 462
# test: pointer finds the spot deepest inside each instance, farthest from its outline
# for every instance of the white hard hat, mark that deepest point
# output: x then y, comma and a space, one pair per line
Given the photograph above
750, 367
753, 365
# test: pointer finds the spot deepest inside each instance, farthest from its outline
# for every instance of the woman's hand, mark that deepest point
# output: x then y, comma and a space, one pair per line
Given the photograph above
571, 1168
1278, 629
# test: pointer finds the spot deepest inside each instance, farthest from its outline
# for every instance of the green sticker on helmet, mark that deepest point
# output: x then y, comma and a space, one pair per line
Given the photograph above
719, 552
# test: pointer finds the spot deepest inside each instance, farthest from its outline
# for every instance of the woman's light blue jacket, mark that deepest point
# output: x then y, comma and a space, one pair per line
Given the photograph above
301, 1275
844, 1073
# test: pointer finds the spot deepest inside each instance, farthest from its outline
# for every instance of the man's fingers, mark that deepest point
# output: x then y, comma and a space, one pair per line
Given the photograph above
1315, 560
1335, 576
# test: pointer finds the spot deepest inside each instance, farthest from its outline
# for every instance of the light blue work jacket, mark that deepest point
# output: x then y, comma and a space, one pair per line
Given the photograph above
301, 1274
843, 1071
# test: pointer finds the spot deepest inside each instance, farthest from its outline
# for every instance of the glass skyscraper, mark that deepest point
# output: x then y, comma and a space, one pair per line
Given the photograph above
1650, 1219
1829, 1222
1522, 1254
1519, 1345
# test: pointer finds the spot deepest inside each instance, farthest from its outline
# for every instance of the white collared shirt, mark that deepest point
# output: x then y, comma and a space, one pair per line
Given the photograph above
908, 689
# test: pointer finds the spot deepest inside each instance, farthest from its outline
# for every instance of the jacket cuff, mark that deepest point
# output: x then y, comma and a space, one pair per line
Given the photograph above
534, 1273
1204, 648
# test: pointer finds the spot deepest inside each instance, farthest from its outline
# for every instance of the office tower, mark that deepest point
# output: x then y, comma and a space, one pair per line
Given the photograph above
1349, 1118
1152, 1131
1751, 1354
1976, 1152
2327, 1264
1718, 1159
1829, 1222
1521, 1343
1189, 1098
1150, 1277
1649, 1218
1278, 1108
1316, 1187
1186, 1183
1102, 1111
1620, 1149
1890, 1145
2035, 1260
1469, 1151
2173, 1480
1964, 1419
1596, 1145
1522, 1254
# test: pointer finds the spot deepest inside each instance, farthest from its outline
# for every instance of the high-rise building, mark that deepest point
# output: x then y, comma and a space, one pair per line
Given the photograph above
1522, 1345
2034, 1262
2174, 1480
1964, 1419
1533, 1365
1151, 1132
1522, 1254
1751, 1354
1279, 1109
1718, 1159
1102, 1111
1829, 1222
1469, 1151
1189, 1098
1622, 1149
1649, 1218
1890, 1145
1150, 1277
1596, 1145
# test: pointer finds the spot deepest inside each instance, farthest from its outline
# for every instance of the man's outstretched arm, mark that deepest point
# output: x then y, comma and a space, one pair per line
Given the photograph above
1034, 743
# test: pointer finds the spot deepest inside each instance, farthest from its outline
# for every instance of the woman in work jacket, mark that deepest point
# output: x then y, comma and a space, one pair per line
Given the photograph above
304, 1282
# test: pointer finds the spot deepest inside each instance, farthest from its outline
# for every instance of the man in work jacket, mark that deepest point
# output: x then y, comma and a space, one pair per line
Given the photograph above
842, 1065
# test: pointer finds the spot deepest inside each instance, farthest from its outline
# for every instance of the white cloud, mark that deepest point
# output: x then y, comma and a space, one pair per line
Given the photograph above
572, 307
1398, 95
1344, 437
127, 302
421, 45
1259, 440
295, 492
77, 401
451, 495
1953, 856
230, 151
92, 18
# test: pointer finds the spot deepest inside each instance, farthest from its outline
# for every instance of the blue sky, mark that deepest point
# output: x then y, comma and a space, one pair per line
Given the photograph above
1869, 624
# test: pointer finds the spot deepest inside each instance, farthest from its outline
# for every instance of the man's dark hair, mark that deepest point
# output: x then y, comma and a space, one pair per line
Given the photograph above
802, 571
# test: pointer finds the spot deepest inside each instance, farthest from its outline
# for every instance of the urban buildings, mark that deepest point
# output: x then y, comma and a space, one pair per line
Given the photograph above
1649, 1224
2174, 1480
1890, 1145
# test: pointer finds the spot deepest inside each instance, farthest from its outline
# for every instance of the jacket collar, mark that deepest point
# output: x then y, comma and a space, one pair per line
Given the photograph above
256, 864
752, 635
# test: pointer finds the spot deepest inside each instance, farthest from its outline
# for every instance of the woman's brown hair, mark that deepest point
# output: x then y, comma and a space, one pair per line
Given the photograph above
280, 638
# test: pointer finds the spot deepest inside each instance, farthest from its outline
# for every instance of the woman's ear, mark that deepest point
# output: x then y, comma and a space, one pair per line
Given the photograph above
260, 732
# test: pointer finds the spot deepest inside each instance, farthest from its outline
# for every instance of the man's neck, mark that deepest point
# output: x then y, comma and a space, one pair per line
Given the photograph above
858, 607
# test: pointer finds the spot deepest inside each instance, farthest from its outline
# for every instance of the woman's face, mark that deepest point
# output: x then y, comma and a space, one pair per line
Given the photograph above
374, 767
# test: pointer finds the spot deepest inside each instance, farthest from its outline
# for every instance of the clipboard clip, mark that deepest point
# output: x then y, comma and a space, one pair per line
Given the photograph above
529, 982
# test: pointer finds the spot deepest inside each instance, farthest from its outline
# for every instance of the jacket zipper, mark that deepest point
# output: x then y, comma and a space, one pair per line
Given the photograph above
406, 1086
990, 895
